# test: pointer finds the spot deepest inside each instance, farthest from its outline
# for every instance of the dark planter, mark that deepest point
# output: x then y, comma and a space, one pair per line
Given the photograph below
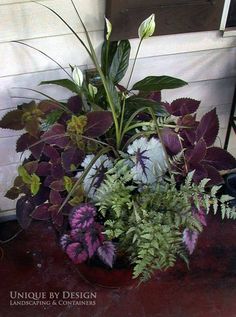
230, 183
99, 275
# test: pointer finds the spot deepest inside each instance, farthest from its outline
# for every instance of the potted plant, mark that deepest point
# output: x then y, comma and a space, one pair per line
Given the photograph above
125, 178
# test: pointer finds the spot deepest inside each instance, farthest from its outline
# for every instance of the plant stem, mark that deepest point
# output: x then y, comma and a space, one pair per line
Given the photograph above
135, 59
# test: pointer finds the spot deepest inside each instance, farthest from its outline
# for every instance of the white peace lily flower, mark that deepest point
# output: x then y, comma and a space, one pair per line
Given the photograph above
92, 90
108, 28
147, 27
78, 76
149, 162
95, 175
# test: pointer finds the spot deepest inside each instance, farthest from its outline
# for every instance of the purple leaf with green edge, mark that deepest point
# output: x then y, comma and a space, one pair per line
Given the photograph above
197, 154
55, 198
106, 252
93, 238
75, 104
82, 216
56, 216
51, 153
182, 106
42, 212
57, 171
24, 208
171, 141
214, 175
190, 239
13, 193
199, 172
208, 127
76, 252
31, 167
47, 106
57, 185
219, 158
72, 157
56, 136
65, 240
98, 122
12, 120
28, 142
44, 169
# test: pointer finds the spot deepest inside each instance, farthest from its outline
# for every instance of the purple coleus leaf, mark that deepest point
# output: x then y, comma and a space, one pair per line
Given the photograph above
98, 123
76, 252
82, 216
214, 175
28, 142
75, 104
190, 239
182, 106
56, 215
42, 196
94, 238
199, 172
171, 141
57, 171
197, 154
219, 159
24, 208
56, 136
55, 197
57, 185
44, 169
42, 212
72, 157
106, 252
155, 96
51, 153
208, 127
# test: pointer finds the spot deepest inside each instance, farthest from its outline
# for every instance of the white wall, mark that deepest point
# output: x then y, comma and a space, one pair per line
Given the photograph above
206, 60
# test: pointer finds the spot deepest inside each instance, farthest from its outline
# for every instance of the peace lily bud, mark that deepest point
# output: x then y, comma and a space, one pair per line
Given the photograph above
92, 90
147, 27
108, 27
78, 76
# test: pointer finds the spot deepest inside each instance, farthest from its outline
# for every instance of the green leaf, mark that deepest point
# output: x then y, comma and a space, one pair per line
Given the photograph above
25, 175
68, 183
35, 184
114, 94
157, 83
120, 61
107, 57
12, 120
66, 83
135, 103
52, 118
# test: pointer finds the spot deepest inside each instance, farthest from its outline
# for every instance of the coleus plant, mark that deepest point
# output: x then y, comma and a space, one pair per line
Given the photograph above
74, 145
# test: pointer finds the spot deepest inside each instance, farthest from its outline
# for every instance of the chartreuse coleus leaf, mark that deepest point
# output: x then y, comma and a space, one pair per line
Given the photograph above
33, 181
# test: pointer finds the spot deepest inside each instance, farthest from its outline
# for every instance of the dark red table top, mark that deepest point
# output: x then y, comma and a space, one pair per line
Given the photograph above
34, 263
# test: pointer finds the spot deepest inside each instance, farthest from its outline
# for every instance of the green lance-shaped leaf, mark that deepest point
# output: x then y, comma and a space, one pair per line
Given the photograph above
120, 61
66, 83
157, 83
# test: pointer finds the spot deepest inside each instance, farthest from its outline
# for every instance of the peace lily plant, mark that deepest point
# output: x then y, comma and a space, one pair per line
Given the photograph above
117, 171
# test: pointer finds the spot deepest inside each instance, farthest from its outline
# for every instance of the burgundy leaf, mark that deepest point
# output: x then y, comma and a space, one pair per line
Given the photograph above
82, 216
12, 120
55, 198
51, 153
57, 171
57, 217
98, 122
171, 141
57, 185
106, 253
56, 135
47, 106
214, 175
28, 142
42, 212
44, 169
208, 127
31, 167
24, 209
155, 95
41, 196
48, 180
183, 106
199, 172
190, 239
219, 158
76, 252
75, 104
72, 156
197, 154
